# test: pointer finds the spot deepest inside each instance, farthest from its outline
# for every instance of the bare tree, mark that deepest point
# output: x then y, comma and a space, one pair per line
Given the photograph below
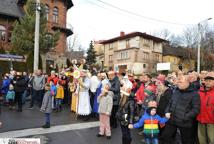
73, 43
164, 34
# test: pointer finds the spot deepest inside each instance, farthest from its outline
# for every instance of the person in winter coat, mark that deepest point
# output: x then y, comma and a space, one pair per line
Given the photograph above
183, 108
206, 115
53, 93
38, 88
150, 121
10, 97
47, 106
19, 87
115, 88
59, 96
105, 106
5, 86
125, 115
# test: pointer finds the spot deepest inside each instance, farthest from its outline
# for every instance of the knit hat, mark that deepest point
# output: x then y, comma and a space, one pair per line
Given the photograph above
151, 105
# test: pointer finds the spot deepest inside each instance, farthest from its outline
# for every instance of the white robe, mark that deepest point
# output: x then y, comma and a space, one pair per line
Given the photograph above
84, 107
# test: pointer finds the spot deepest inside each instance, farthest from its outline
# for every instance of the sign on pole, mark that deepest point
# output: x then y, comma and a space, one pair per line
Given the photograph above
163, 66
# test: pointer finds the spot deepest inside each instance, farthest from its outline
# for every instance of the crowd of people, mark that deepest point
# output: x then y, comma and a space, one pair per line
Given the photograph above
162, 107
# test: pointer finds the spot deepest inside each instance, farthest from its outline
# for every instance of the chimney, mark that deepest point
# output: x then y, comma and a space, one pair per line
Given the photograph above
122, 33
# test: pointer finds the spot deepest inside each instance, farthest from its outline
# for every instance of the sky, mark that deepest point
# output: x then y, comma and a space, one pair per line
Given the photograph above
104, 19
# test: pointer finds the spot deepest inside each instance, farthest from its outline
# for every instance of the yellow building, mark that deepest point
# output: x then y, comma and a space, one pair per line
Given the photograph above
178, 57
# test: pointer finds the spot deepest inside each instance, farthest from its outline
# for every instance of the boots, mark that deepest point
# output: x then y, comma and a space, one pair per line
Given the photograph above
47, 125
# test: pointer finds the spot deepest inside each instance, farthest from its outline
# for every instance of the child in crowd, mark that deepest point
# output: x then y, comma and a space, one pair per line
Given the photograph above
59, 96
150, 121
105, 101
47, 105
53, 92
10, 97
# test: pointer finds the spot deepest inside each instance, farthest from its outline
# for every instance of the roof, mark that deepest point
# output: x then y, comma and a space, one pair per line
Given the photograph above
11, 8
134, 34
69, 4
176, 51
62, 29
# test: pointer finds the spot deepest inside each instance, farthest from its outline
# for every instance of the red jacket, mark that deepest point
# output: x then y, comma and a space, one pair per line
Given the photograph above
140, 93
54, 78
206, 114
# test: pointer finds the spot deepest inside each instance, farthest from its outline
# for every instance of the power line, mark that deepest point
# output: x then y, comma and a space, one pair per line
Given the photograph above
139, 15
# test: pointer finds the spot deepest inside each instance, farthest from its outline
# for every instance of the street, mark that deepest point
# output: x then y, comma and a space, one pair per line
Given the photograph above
65, 128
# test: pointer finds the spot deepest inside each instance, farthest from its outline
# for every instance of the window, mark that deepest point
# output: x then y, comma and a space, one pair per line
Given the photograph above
2, 33
47, 11
145, 55
123, 55
127, 43
111, 46
49, 40
110, 58
146, 42
55, 15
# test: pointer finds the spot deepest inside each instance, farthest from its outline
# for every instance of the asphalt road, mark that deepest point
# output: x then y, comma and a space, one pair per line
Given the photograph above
34, 119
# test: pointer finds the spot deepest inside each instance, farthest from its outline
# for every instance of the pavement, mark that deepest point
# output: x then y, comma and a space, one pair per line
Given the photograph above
65, 128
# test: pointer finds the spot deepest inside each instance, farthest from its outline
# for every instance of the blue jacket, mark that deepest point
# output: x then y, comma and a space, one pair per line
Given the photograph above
53, 90
150, 124
5, 86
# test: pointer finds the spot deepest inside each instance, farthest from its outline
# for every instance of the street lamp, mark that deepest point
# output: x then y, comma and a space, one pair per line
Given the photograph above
199, 43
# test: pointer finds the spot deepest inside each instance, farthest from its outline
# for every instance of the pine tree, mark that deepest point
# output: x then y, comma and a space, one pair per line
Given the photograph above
91, 55
23, 33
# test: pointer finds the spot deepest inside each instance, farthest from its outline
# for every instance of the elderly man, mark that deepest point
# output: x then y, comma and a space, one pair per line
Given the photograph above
38, 88
206, 115
182, 110
115, 88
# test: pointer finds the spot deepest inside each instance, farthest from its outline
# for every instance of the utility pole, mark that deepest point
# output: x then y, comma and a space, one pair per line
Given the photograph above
199, 43
36, 39
199, 48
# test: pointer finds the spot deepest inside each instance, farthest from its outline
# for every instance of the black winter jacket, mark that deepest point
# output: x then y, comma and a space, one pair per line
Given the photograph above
164, 101
184, 106
129, 109
115, 88
20, 84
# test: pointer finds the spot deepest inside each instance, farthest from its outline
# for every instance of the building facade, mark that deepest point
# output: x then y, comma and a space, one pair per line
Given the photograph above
135, 52
179, 58
56, 10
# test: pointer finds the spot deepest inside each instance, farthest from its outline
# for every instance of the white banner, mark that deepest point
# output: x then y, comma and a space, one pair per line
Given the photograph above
163, 66
20, 141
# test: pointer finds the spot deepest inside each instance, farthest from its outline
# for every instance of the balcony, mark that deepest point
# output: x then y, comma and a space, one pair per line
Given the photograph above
63, 28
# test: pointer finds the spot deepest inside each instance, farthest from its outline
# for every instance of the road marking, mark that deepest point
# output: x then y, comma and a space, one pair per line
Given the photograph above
53, 129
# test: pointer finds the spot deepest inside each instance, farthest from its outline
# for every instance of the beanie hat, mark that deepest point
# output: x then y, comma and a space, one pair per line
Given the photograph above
151, 105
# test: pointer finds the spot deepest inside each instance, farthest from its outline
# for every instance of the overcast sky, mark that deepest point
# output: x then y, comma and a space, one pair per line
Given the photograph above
104, 19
